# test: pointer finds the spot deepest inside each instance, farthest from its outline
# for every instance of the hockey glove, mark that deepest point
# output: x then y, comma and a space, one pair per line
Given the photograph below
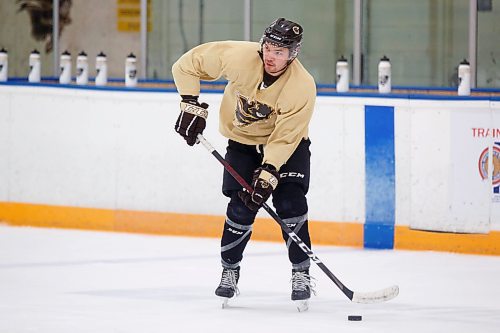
192, 119
265, 180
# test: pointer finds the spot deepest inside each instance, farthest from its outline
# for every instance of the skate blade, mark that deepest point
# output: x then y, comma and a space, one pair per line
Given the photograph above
302, 305
225, 302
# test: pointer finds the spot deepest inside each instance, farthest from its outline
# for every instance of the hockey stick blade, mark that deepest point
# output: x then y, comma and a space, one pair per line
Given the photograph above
375, 296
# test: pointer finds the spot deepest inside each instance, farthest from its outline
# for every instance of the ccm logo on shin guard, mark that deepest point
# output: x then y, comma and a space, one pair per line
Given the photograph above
292, 175
235, 231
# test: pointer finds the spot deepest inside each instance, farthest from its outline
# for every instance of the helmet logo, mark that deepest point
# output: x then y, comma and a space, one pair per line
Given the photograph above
284, 33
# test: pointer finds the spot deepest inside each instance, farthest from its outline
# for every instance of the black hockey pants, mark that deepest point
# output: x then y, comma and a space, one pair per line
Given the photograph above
289, 200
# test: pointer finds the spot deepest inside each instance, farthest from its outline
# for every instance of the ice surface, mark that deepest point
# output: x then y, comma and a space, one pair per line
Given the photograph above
61, 281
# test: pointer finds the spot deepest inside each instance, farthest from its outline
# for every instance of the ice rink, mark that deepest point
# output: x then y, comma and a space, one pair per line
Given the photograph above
61, 281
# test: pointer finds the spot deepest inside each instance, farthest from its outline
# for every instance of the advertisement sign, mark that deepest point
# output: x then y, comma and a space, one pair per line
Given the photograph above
475, 176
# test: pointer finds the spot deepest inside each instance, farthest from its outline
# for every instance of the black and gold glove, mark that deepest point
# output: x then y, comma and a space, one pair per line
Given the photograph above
264, 182
192, 119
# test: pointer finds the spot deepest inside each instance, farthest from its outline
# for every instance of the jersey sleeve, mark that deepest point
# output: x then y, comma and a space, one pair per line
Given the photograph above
200, 63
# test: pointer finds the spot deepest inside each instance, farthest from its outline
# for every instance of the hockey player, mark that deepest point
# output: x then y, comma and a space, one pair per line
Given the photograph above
265, 113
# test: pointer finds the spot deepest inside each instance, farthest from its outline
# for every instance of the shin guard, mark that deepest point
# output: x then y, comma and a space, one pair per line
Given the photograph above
237, 232
291, 205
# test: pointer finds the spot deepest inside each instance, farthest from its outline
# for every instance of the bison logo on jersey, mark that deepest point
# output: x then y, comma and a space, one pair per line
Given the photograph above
249, 111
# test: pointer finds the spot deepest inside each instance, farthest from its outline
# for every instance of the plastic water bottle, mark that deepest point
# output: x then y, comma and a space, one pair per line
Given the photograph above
65, 77
464, 78
131, 71
4, 65
35, 67
101, 67
82, 69
342, 75
384, 75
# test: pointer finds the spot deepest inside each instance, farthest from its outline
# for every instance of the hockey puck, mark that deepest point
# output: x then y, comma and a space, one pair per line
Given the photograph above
354, 318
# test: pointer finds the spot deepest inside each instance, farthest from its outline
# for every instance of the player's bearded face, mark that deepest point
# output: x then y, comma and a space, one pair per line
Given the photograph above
275, 58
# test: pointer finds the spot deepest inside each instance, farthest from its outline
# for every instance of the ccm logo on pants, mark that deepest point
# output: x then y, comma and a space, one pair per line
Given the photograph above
292, 175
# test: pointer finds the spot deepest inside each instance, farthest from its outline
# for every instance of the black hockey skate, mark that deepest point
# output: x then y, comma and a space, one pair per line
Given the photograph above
228, 286
301, 289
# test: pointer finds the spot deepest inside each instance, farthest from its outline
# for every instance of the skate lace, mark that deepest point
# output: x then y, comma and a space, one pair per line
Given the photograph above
230, 280
301, 281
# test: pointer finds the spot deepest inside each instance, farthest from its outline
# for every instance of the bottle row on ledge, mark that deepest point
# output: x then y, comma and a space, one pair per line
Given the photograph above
82, 68
101, 78
384, 76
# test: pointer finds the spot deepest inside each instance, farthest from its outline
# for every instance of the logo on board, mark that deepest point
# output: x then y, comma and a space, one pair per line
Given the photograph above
484, 165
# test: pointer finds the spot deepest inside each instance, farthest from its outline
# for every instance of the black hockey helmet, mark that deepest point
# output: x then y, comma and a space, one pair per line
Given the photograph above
284, 33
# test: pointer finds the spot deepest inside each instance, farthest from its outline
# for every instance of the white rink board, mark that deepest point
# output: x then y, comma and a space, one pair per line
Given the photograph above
5, 111
118, 150
337, 161
445, 190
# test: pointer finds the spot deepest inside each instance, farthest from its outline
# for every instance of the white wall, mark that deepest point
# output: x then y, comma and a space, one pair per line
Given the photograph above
118, 150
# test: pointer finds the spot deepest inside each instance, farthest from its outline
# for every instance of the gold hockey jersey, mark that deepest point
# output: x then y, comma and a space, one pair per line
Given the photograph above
277, 116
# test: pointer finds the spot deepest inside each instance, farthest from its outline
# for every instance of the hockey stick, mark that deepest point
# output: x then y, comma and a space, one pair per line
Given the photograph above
355, 296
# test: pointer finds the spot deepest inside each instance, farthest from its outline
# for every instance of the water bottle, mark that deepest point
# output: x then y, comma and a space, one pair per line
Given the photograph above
101, 67
342, 75
384, 75
131, 71
82, 69
35, 67
4, 65
65, 62
464, 78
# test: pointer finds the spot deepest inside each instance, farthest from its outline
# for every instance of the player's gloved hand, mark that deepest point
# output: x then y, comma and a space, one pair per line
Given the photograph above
192, 119
265, 179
